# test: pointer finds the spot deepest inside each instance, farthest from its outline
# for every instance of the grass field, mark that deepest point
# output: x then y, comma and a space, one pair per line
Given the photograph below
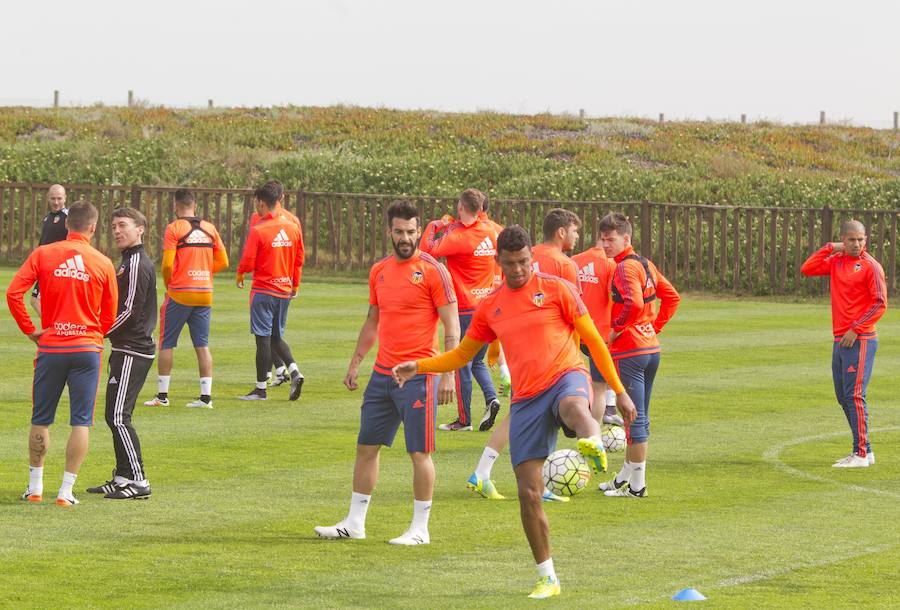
744, 505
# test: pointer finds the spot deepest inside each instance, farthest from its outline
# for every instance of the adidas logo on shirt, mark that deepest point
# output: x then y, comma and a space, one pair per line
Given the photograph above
587, 274
485, 248
282, 240
198, 237
113, 381
73, 268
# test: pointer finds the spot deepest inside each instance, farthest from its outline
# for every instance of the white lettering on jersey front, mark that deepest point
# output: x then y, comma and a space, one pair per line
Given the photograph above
198, 274
282, 280
282, 240
587, 274
73, 268
198, 237
485, 248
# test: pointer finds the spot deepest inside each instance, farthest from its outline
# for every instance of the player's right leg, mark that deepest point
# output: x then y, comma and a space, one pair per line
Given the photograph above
262, 314
82, 380
280, 346
378, 424
463, 421
855, 370
198, 325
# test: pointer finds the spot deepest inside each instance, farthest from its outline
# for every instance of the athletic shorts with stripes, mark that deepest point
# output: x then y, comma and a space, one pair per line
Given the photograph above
386, 405
80, 371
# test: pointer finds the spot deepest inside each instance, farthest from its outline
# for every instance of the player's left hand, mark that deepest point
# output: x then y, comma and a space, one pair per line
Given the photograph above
626, 408
37, 334
446, 389
405, 371
848, 339
239, 280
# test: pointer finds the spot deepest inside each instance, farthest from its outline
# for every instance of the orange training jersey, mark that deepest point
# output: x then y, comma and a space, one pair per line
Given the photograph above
595, 273
858, 289
254, 218
498, 272
552, 260
79, 295
536, 327
408, 294
633, 315
274, 254
197, 247
470, 252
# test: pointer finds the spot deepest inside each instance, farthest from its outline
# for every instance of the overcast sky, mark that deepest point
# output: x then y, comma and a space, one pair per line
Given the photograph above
783, 60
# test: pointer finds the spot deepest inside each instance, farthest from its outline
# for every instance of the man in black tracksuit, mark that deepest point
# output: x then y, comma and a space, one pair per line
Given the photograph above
53, 229
132, 354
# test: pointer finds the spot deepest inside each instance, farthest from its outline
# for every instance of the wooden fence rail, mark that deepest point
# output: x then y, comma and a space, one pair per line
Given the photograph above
744, 250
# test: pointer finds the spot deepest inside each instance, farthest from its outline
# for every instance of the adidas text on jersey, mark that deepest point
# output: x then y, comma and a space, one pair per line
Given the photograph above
73, 268
282, 240
485, 248
587, 274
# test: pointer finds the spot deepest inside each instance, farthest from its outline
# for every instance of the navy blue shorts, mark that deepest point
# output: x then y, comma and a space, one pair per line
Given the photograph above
596, 377
637, 374
266, 311
172, 318
534, 422
80, 371
386, 405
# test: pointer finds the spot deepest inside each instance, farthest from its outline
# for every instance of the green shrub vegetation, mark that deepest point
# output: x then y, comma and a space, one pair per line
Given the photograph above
366, 150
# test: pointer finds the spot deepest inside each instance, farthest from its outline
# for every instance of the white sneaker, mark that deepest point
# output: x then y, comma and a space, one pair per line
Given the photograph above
157, 402
339, 531
614, 420
871, 457
411, 538
852, 461
199, 404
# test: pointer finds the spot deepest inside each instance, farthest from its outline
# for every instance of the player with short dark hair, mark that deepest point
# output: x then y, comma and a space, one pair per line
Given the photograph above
131, 357
274, 254
560, 236
79, 294
468, 245
858, 300
193, 253
408, 292
633, 342
551, 386
53, 229
281, 374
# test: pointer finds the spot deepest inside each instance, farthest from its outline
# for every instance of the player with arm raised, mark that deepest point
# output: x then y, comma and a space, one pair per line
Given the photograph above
78, 294
633, 342
193, 253
858, 300
536, 317
468, 245
408, 293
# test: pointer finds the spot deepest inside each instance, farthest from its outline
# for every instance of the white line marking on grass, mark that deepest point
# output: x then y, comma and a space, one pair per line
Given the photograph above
773, 456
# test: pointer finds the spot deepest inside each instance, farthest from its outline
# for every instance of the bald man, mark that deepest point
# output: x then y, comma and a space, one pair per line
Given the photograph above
858, 300
52, 230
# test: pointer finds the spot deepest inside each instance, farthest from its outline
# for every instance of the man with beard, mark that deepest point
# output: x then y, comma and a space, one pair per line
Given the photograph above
408, 292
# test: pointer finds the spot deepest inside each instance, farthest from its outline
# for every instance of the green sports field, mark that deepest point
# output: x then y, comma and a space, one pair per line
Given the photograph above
743, 503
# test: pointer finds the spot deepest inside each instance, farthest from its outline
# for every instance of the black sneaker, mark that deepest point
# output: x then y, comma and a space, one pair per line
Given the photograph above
105, 488
296, 386
129, 491
490, 415
255, 394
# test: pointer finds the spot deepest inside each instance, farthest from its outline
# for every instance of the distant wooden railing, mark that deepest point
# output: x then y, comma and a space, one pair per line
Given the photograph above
733, 249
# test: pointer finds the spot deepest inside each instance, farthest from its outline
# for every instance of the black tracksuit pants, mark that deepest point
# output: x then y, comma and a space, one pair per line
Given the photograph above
127, 374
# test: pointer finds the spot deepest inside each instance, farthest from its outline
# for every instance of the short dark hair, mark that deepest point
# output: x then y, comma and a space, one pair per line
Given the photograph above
512, 239
270, 193
615, 221
134, 214
485, 205
404, 209
559, 218
473, 200
82, 214
184, 198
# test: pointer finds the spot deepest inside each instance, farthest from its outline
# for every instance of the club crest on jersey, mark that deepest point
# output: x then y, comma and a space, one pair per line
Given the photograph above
55, 219
538, 299
857, 267
417, 277
120, 271
498, 312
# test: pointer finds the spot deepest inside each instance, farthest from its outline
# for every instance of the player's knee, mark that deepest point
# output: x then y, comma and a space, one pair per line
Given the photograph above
530, 495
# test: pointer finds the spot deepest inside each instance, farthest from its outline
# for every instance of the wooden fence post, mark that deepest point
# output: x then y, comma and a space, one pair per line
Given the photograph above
130, 98
646, 237
821, 117
209, 103
896, 120
743, 119
662, 117
56, 105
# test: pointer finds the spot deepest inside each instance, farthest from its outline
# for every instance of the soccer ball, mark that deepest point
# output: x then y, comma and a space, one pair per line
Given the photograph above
613, 438
566, 472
